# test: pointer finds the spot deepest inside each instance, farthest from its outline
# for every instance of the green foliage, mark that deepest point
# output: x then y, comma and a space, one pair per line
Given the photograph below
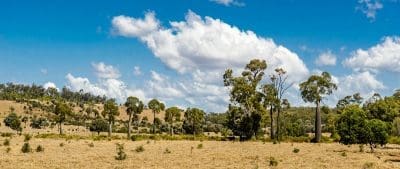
110, 111
98, 125
354, 128
343, 154
139, 149
121, 155
396, 126
133, 107
39, 148
156, 106
26, 148
13, 121
61, 110
39, 123
296, 150
194, 120
172, 115
244, 114
384, 109
7, 134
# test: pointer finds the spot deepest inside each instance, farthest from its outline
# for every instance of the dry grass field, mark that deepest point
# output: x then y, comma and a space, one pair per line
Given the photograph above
186, 154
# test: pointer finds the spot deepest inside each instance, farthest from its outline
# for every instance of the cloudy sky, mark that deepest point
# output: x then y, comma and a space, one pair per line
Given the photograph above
177, 50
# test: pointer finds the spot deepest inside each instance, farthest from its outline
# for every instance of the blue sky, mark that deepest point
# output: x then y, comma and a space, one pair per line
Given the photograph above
97, 46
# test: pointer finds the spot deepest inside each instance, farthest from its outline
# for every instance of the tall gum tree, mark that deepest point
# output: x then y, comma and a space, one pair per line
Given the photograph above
313, 90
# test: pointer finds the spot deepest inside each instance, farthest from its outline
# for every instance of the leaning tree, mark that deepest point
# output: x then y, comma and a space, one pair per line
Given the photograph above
313, 90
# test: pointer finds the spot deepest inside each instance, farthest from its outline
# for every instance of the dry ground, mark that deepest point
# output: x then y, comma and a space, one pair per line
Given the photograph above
248, 155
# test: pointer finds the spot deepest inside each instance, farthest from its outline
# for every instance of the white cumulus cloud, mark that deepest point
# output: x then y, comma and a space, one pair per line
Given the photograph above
383, 56
105, 71
137, 71
326, 59
369, 8
228, 2
50, 85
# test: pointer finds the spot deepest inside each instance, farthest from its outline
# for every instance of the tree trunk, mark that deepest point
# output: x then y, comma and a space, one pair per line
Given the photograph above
154, 122
278, 119
129, 125
60, 128
98, 133
109, 129
172, 129
318, 131
271, 114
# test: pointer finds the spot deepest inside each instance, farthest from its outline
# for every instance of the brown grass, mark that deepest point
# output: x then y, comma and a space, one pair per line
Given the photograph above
79, 154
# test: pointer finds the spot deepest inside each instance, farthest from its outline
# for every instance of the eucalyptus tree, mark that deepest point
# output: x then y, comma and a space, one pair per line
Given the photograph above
280, 85
313, 90
110, 110
156, 106
194, 119
61, 110
270, 100
172, 115
133, 107
245, 98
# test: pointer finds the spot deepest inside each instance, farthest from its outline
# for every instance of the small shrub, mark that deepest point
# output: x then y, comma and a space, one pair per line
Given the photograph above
368, 165
167, 151
39, 148
61, 144
27, 137
6, 134
273, 162
343, 154
199, 146
26, 148
139, 149
8, 149
121, 155
91, 145
148, 142
6, 142
296, 150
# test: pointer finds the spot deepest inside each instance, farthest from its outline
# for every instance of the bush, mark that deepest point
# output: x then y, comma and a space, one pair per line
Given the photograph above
368, 165
167, 151
61, 144
121, 155
296, 150
27, 137
6, 134
8, 149
273, 162
199, 146
139, 149
91, 145
39, 148
26, 148
39, 123
343, 154
13, 121
6, 142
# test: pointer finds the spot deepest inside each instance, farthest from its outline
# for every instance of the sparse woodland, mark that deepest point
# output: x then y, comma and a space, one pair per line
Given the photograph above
258, 112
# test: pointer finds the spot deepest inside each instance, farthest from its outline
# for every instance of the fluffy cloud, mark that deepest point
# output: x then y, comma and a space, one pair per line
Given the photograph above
364, 83
106, 71
369, 8
132, 27
383, 56
326, 59
50, 85
228, 2
200, 49
209, 44
108, 84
